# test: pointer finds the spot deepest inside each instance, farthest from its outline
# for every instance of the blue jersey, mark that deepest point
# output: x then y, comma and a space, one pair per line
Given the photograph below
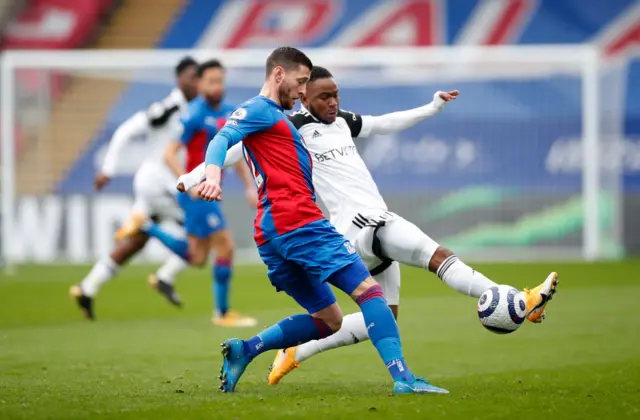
201, 122
280, 164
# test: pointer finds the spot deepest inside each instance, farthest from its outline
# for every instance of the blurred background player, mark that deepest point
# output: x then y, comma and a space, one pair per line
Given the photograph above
204, 222
153, 186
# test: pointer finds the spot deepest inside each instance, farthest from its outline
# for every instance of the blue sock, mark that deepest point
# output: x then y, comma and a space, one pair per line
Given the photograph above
289, 332
221, 285
180, 247
383, 331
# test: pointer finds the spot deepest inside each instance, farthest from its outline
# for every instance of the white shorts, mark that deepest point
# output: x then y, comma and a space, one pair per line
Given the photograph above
400, 240
362, 241
154, 189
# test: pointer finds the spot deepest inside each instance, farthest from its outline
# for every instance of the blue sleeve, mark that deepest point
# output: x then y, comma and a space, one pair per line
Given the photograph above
251, 118
190, 121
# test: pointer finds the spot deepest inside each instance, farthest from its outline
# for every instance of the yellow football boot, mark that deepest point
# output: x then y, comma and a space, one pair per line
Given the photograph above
233, 319
131, 226
538, 297
284, 363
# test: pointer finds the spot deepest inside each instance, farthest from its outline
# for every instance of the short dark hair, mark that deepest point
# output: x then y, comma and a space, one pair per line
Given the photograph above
184, 64
287, 58
318, 72
209, 64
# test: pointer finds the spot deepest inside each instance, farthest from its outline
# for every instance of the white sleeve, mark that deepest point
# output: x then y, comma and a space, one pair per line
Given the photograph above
197, 174
137, 125
234, 154
401, 120
193, 178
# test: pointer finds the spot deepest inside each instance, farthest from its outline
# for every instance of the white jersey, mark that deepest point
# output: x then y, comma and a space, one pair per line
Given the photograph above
159, 124
340, 176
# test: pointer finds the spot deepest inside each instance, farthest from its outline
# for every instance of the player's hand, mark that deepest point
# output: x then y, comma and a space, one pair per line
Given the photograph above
449, 96
210, 190
101, 181
252, 196
193, 193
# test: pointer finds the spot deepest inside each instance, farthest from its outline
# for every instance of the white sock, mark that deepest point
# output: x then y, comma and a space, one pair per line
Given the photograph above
171, 268
463, 278
103, 271
353, 331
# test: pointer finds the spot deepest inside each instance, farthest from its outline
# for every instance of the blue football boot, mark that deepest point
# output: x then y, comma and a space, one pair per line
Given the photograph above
234, 362
417, 386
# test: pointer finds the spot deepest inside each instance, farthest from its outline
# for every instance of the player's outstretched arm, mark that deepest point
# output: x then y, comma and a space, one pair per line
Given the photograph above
135, 126
401, 120
210, 189
253, 117
196, 176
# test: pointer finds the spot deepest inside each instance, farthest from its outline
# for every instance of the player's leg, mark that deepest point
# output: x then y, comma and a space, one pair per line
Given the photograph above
353, 330
403, 241
108, 267
103, 271
324, 317
194, 249
381, 326
163, 280
335, 261
223, 247
167, 210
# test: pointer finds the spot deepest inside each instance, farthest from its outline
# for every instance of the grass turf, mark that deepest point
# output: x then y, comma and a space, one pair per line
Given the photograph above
143, 359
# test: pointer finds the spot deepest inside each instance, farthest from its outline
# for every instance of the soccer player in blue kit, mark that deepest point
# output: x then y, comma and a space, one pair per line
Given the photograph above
303, 252
203, 221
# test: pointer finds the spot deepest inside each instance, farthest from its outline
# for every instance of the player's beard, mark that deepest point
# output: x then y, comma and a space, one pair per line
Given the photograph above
284, 96
214, 100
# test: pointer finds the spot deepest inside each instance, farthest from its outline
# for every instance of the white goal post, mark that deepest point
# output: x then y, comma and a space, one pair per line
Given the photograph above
513, 68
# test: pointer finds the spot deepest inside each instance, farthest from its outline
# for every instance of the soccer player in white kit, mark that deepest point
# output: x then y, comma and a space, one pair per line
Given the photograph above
358, 211
153, 187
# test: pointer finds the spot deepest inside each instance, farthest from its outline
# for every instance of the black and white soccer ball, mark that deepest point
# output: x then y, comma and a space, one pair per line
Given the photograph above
502, 309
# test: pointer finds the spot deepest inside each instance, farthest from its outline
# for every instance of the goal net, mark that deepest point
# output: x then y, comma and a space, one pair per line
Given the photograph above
525, 165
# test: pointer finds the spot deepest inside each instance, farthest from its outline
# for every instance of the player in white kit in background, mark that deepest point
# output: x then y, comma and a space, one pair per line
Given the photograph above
153, 187
358, 211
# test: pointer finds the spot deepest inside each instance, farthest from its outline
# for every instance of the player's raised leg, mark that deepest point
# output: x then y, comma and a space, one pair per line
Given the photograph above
103, 271
404, 242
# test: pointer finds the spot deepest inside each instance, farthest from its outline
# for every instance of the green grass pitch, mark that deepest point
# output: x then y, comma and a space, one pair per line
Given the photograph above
143, 359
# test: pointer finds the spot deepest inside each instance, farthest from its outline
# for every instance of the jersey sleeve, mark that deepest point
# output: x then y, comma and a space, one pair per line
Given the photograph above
253, 117
135, 126
354, 121
190, 121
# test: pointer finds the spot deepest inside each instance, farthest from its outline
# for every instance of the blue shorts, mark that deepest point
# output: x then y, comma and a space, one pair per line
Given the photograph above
305, 261
201, 218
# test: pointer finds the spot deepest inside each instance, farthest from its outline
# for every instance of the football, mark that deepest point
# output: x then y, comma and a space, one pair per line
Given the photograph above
502, 309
